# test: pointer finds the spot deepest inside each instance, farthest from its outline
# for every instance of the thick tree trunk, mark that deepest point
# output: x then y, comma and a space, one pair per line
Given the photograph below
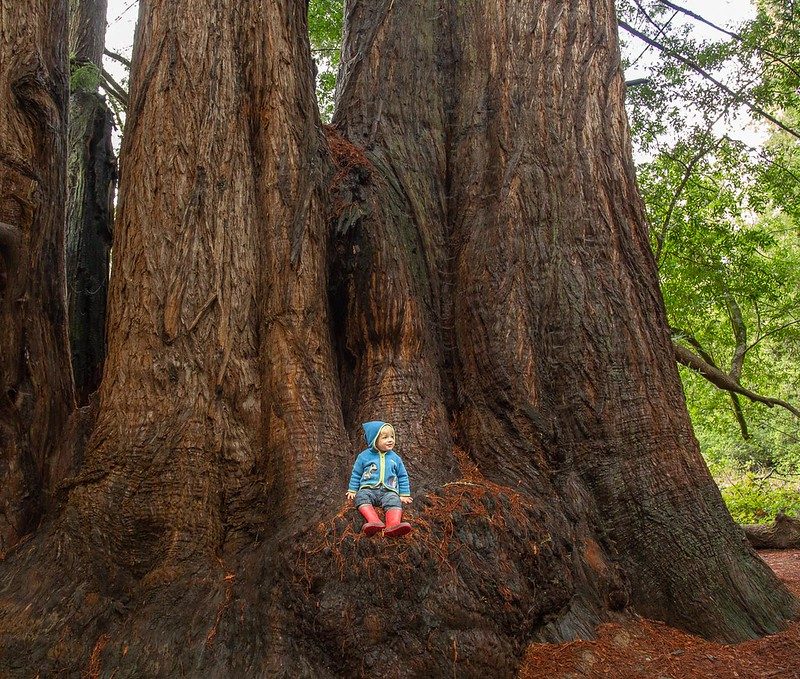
91, 179
35, 377
469, 262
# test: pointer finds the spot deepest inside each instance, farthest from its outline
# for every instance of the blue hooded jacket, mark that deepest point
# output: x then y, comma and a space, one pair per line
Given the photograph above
374, 469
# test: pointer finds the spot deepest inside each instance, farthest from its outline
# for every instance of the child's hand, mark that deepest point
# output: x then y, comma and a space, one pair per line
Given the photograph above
406, 500
351, 495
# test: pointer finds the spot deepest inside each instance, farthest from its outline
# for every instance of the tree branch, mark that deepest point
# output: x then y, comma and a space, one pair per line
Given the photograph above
680, 333
732, 34
722, 381
738, 97
117, 57
739, 333
737, 410
662, 233
661, 29
772, 332
114, 88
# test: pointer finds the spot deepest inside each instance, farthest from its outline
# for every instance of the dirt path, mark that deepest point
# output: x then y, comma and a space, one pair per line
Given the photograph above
651, 650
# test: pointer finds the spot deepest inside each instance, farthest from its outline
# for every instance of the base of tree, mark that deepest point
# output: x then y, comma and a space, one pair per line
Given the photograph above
486, 572
483, 575
783, 533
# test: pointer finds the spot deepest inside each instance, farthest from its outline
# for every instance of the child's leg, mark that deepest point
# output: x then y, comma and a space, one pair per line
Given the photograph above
363, 501
394, 512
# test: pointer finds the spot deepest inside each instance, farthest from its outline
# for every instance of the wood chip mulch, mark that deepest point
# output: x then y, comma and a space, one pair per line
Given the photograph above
652, 650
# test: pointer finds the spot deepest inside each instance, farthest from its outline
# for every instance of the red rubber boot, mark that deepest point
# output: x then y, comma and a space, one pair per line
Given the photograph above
394, 527
373, 523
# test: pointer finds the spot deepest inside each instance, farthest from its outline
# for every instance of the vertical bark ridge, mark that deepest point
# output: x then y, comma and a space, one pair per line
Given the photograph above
177, 431
35, 378
392, 256
302, 421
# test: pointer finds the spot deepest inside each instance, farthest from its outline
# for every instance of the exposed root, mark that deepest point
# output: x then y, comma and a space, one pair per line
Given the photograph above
484, 567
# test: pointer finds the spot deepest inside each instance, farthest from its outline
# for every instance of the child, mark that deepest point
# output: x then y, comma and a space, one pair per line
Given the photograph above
379, 476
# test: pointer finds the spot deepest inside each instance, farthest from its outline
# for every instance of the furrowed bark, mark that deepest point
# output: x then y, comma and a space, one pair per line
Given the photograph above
471, 262
35, 378
565, 308
91, 181
208, 396
391, 259
175, 447
302, 422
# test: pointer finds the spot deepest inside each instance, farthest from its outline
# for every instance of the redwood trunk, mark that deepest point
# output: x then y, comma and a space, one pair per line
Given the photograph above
91, 179
35, 378
465, 257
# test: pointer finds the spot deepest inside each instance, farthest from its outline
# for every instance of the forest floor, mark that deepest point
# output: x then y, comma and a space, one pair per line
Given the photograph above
652, 650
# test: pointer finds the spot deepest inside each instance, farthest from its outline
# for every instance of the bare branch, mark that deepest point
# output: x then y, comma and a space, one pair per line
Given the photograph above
114, 88
772, 332
660, 31
722, 381
117, 57
736, 36
737, 96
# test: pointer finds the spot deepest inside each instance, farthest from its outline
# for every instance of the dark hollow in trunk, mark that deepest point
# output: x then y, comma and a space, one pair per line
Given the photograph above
464, 255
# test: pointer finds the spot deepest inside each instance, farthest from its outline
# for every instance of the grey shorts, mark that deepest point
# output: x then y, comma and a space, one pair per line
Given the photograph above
379, 497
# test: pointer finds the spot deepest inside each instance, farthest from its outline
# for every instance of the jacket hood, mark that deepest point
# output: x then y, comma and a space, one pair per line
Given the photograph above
371, 431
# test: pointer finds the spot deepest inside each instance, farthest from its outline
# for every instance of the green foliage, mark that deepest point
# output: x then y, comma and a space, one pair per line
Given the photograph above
325, 19
84, 77
725, 217
751, 500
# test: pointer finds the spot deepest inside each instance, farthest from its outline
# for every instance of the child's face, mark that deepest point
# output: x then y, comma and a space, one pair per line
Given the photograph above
385, 440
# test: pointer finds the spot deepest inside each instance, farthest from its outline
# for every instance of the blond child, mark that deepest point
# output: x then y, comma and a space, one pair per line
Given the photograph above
379, 478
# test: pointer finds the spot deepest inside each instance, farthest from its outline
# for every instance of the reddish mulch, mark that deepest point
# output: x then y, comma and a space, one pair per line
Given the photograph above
652, 650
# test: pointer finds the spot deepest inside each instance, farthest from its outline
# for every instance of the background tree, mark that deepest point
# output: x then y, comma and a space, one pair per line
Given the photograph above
91, 178
465, 253
35, 378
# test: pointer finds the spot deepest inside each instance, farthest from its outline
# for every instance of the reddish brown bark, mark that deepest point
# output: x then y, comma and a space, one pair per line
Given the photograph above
35, 377
465, 257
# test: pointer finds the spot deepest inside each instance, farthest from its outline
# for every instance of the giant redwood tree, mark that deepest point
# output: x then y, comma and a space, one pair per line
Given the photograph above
464, 254
35, 377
